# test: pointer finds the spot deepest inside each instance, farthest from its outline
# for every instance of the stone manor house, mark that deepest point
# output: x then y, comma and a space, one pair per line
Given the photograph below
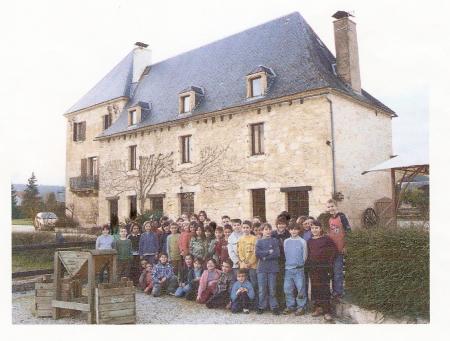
259, 122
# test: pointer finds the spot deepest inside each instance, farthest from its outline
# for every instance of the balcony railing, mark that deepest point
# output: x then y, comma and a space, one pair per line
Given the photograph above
84, 183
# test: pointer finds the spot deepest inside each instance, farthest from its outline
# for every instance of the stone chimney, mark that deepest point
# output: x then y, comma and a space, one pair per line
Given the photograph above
347, 59
142, 57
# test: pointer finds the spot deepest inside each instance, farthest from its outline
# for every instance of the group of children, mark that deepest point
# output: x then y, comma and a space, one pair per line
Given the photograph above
241, 265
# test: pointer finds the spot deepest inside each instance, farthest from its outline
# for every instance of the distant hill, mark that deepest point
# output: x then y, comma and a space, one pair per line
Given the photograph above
43, 190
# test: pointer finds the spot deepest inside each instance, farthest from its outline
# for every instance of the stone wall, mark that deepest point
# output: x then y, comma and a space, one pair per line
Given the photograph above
363, 139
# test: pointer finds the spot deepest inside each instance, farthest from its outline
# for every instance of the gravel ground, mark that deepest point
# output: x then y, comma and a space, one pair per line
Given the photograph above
162, 310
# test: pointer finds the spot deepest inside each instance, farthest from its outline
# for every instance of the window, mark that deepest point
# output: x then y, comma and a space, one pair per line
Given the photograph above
186, 149
257, 131
132, 157
132, 118
133, 207
259, 203
156, 203
256, 87
107, 120
92, 166
185, 104
298, 203
79, 131
187, 202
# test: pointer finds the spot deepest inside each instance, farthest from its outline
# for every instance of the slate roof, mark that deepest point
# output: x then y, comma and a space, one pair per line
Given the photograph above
287, 45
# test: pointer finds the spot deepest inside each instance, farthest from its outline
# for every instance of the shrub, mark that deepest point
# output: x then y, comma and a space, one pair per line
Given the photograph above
148, 215
388, 270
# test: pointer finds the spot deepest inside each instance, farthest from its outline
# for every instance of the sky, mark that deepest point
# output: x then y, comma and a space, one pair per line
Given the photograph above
58, 50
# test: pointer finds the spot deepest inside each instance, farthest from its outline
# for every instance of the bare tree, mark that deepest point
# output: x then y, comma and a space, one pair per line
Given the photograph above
117, 179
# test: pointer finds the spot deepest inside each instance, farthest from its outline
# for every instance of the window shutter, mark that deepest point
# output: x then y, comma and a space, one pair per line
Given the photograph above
83, 130
74, 130
83, 168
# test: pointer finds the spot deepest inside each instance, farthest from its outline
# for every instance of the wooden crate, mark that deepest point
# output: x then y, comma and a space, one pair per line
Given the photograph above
115, 303
43, 295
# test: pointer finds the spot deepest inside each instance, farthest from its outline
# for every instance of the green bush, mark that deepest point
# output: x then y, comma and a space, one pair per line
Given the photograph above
388, 270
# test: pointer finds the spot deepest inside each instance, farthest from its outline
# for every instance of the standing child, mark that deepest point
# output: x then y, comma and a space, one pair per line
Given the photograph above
208, 282
221, 296
246, 253
185, 239
232, 244
218, 246
134, 237
321, 251
142, 279
242, 293
186, 278
172, 249
210, 242
296, 252
124, 253
149, 244
281, 234
198, 247
166, 226
267, 251
163, 277
338, 228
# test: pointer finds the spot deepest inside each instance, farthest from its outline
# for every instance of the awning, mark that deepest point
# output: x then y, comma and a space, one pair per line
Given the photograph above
418, 161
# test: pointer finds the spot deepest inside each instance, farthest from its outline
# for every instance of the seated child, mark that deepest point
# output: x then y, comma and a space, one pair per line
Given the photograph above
221, 296
208, 282
198, 270
148, 280
143, 274
163, 277
242, 293
187, 275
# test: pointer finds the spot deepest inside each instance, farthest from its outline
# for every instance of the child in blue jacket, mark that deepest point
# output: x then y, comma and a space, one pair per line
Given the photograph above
242, 293
149, 244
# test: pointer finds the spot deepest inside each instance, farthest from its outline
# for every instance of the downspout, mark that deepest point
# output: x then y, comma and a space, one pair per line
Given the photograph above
332, 144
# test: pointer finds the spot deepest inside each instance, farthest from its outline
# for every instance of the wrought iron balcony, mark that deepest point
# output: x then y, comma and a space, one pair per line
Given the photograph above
84, 183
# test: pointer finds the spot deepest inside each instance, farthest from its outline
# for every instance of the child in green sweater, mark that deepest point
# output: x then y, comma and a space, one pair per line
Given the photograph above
124, 253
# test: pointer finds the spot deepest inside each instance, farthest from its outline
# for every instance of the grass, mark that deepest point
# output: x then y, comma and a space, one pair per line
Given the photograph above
32, 260
22, 221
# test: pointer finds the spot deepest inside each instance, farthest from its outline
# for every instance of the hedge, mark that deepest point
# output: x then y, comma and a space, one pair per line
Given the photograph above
388, 270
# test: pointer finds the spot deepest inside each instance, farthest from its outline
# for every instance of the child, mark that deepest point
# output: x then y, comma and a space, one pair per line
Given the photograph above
232, 243
296, 252
197, 246
187, 275
148, 280
307, 235
225, 220
172, 248
210, 242
105, 240
198, 271
338, 228
281, 234
208, 282
142, 277
246, 253
202, 217
267, 251
134, 237
219, 246
185, 239
124, 253
242, 293
149, 244
321, 251
163, 237
257, 230
163, 277
221, 296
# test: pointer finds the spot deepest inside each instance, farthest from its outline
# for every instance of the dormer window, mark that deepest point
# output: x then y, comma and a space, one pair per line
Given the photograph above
189, 99
132, 117
185, 104
256, 87
258, 81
